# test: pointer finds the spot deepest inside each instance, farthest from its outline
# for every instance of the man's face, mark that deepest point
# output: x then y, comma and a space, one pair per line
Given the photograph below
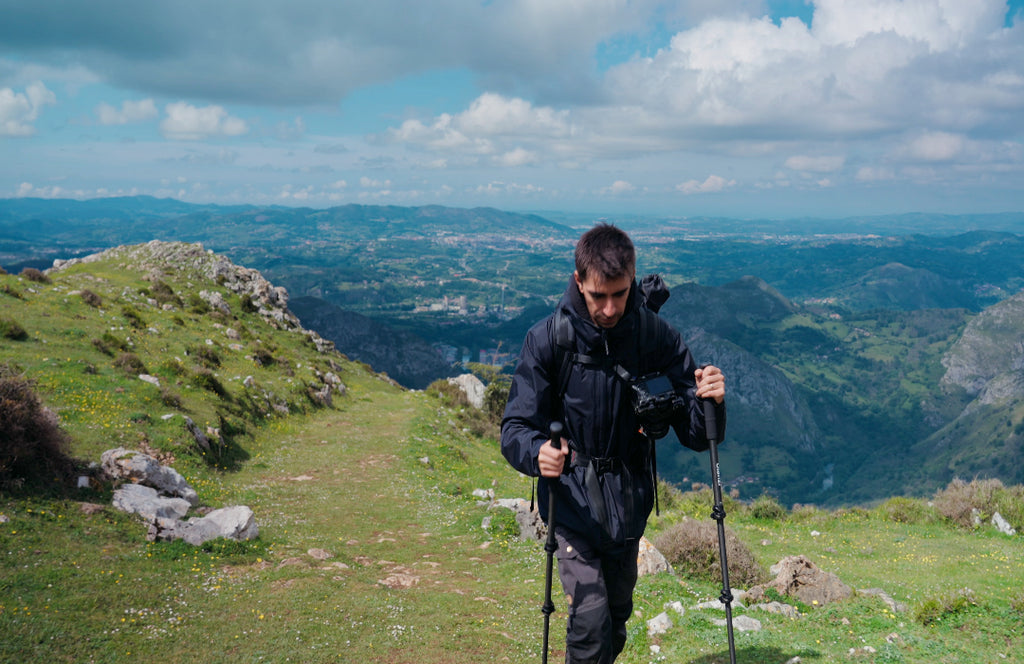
606, 300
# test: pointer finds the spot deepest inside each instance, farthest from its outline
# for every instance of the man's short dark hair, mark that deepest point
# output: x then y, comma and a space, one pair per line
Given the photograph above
606, 251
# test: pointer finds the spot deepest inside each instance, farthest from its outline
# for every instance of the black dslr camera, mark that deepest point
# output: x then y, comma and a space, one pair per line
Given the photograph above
655, 402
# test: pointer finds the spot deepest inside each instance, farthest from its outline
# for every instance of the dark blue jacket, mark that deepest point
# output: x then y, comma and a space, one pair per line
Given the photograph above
598, 417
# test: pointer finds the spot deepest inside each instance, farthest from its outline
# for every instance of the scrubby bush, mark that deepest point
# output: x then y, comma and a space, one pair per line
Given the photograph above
960, 502
902, 509
204, 379
934, 609
697, 503
248, 305
767, 507
108, 343
7, 290
33, 448
90, 298
691, 547
130, 364
449, 393
11, 329
133, 317
172, 366
204, 355
164, 294
1017, 603
170, 399
32, 274
198, 305
496, 396
263, 357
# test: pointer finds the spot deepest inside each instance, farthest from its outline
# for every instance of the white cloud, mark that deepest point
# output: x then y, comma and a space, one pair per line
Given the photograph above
713, 184
517, 157
823, 164
941, 24
130, 111
935, 146
19, 110
185, 122
490, 119
863, 69
619, 187
494, 115
370, 183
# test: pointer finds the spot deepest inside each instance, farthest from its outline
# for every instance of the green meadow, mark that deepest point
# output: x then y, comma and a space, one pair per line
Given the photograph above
372, 546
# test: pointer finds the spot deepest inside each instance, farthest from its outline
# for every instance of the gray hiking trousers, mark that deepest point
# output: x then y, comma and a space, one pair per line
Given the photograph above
599, 594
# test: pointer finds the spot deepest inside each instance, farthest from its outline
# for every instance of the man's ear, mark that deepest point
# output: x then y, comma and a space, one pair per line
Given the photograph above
579, 282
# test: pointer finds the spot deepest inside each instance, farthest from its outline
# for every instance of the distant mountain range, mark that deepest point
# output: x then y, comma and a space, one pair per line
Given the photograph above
865, 357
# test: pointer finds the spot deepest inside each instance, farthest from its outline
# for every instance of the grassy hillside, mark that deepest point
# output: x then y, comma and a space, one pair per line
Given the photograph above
372, 547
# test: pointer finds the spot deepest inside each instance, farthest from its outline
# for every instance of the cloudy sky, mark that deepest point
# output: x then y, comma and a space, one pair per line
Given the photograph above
741, 108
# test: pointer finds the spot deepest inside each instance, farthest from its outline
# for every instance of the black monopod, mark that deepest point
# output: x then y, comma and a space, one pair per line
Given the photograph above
718, 514
551, 545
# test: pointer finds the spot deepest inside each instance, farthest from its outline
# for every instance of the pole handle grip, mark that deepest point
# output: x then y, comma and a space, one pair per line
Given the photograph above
556, 435
710, 421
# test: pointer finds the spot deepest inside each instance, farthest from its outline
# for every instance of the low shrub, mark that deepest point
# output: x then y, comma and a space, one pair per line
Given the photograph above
263, 357
1017, 603
7, 290
130, 364
698, 502
32, 274
248, 305
960, 502
198, 305
496, 396
170, 399
767, 507
934, 609
691, 547
90, 298
204, 379
204, 355
133, 317
11, 329
108, 343
33, 448
449, 393
164, 294
902, 509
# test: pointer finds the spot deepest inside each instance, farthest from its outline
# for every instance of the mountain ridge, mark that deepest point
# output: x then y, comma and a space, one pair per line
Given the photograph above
822, 380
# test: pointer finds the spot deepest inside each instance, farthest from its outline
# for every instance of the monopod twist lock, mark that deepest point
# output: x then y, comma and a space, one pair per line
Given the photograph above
551, 545
718, 514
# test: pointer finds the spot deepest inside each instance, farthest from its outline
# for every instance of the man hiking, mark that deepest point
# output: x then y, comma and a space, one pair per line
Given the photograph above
584, 366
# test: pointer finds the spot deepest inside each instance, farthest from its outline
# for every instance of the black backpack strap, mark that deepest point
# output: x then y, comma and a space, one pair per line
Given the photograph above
564, 350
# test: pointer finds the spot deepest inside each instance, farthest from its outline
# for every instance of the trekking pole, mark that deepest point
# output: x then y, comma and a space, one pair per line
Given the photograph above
551, 545
718, 514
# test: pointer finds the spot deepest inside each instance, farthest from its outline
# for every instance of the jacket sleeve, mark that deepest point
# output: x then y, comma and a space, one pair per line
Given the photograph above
689, 425
524, 427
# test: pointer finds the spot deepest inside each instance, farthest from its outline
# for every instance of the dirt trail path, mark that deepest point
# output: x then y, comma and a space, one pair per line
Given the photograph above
376, 556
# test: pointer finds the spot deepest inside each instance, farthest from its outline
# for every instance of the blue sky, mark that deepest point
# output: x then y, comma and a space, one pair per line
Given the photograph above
738, 108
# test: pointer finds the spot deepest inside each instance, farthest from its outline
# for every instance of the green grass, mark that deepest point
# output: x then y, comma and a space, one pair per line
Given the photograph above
383, 481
